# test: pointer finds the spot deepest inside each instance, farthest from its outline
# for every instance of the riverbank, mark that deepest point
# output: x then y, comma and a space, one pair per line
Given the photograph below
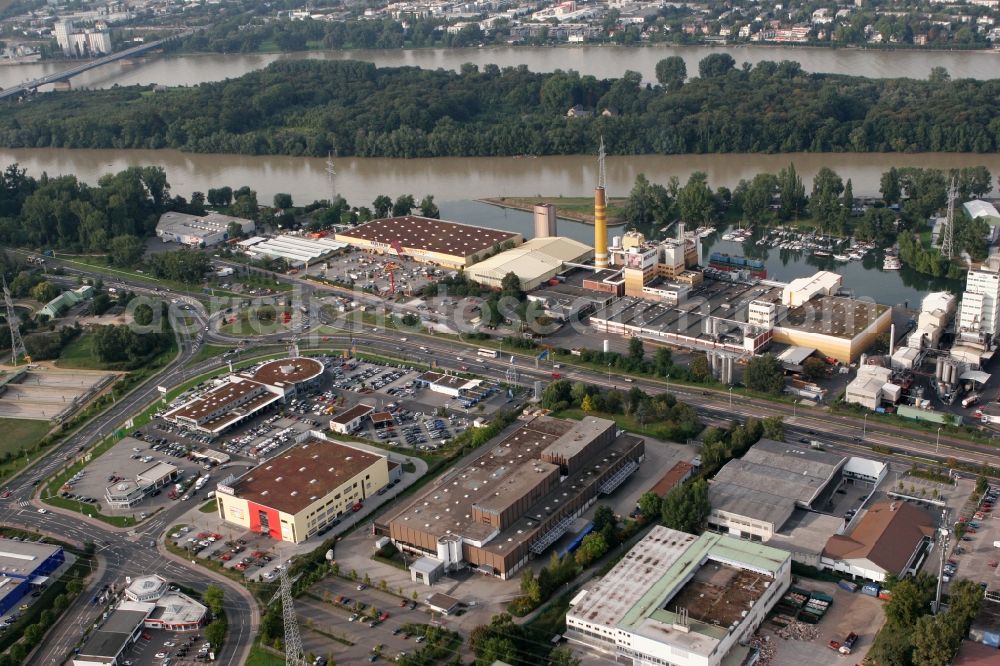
573, 209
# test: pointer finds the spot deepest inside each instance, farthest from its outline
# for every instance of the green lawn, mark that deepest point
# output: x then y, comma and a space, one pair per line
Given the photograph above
209, 351
20, 433
208, 507
575, 208
79, 354
258, 657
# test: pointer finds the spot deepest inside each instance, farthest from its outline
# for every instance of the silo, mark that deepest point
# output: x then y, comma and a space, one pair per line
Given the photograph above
545, 221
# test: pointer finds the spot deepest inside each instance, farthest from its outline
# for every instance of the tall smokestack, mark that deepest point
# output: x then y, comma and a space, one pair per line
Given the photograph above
600, 213
680, 231
600, 229
892, 340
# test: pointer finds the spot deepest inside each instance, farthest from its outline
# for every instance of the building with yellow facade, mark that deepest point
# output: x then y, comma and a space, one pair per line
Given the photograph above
296, 494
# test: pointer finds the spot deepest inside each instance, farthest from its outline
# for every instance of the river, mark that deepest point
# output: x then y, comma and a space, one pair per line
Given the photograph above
456, 182
601, 61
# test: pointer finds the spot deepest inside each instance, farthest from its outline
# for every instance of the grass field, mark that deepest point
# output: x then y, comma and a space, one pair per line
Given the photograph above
79, 355
18, 433
260, 658
574, 208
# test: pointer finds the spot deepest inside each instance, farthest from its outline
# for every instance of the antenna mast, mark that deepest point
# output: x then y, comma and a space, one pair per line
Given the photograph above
16, 342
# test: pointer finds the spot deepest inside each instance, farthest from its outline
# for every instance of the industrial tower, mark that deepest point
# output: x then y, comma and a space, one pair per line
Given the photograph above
600, 213
16, 342
293, 640
948, 242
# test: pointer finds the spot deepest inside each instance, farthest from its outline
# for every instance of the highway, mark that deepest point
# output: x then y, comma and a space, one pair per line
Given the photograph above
125, 552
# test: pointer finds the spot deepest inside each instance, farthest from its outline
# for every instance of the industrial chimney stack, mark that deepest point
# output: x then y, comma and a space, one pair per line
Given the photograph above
600, 214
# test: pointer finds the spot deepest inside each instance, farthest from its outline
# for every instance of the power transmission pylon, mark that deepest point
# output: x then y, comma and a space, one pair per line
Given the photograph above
331, 176
16, 342
293, 640
948, 242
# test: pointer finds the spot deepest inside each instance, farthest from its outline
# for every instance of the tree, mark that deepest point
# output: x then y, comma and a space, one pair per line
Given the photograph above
562, 657
592, 548
765, 374
403, 205
934, 641
814, 369
213, 598
650, 505
774, 428
234, 230
282, 201
428, 208
530, 587
126, 250
792, 192
686, 507
647, 204
889, 186
215, 633
381, 206
715, 65
635, 349
44, 291
825, 203
587, 404
671, 72
939, 75
143, 315
908, 603
699, 368
695, 202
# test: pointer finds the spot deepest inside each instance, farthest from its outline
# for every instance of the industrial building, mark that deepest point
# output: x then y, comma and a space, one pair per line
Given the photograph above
149, 602
294, 495
451, 385
890, 539
752, 497
243, 395
534, 263
672, 478
681, 600
126, 494
297, 251
449, 244
936, 311
198, 230
978, 318
838, 327
565, 302
516, 499
78, 42
64, 301
545, 220
24, 565
664, 271
872, 386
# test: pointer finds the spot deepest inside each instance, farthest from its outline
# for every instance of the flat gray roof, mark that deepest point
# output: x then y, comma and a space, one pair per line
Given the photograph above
771, 479
21, 558
580, 435
109, 639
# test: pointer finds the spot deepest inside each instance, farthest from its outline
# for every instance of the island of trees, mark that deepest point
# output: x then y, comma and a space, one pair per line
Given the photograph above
314, 107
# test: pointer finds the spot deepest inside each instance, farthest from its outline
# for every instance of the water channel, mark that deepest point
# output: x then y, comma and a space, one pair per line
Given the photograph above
600, 61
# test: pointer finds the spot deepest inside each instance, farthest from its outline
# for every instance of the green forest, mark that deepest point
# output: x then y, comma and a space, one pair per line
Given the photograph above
354, 108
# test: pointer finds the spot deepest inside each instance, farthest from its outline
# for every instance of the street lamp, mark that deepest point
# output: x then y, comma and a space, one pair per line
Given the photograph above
609, 373
937, 446
730, 397
864, 427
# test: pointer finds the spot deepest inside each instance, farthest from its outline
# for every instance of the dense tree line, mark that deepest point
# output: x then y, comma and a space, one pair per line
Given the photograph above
312, 107
120, 346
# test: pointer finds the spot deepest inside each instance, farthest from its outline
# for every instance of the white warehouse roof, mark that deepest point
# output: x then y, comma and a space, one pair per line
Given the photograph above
978, 208
297, 249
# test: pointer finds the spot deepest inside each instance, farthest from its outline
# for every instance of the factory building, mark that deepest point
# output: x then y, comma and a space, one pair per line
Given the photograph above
888, 540
516, 499
837, 327
664, 271
681, 600
298, 251
448, 244
978, 318
754, 496
198, 230
872, 386
24, 565
243, 395
535, 262
294, 495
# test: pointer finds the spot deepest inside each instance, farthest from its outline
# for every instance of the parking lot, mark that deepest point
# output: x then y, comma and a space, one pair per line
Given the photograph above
367, 270
123, 462
975, 556
231, 546
154, 646
369, 618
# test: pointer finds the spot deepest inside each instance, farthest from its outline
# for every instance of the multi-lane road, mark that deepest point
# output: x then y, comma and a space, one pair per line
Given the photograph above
139, 550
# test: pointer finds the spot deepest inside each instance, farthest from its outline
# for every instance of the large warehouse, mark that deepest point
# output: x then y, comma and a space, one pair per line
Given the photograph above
24, 564
297, 493
296, 250
535, 262
516, 499
682, 600
198, 230
243, 395
449, 244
